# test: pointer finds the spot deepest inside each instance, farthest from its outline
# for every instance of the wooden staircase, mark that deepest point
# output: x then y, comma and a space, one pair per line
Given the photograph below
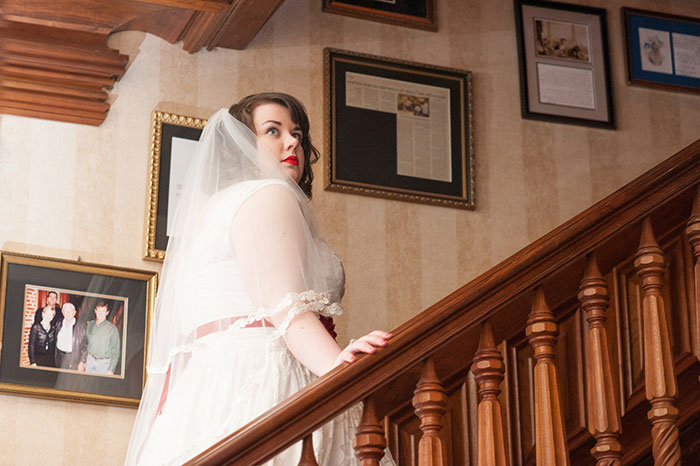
582, 348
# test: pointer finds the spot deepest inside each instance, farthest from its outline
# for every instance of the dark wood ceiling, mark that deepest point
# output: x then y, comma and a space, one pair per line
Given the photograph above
55, 63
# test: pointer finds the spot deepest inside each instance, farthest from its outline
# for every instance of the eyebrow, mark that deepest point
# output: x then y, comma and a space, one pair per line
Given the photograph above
279, 123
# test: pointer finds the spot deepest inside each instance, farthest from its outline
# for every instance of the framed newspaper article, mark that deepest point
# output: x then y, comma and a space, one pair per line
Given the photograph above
398, 129
419, 14
662, 50
173, 142
72, 330
564, 63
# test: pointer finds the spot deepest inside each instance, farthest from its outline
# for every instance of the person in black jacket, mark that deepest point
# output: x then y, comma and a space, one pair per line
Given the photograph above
42, 337
71, 340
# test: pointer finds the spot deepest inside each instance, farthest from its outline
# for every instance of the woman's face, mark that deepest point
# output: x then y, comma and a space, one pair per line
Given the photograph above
281, 137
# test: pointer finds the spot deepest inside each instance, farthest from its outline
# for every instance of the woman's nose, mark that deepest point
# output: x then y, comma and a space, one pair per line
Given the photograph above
291, 142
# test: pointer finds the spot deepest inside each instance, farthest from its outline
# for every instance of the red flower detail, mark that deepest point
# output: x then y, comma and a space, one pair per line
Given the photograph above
330, 326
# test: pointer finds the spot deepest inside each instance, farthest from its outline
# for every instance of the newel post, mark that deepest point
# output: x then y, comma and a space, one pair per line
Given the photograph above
488, 370
659, 376
693, 232
603, 412
430, 401
551, 448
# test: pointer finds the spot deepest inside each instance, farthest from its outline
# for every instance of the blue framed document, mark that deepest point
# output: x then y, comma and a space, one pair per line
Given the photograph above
662, 50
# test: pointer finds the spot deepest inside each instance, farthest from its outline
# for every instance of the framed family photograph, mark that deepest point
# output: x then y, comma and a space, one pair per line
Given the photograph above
173, 142
662, 50
419, 14
564, 63
398, 129
72, 330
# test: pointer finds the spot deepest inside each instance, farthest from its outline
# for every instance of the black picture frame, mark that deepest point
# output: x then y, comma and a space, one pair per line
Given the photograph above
166, 128
662, 50
413, 143
564, 63
418, 14
26, 281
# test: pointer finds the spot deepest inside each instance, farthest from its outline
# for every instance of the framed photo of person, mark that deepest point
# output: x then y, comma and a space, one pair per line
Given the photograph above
564, 63
662, 50
173, 141
419, 14
72, 330
398, 129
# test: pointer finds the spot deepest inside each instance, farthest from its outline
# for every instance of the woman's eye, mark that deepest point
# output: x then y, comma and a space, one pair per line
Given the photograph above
298, 136
272, 131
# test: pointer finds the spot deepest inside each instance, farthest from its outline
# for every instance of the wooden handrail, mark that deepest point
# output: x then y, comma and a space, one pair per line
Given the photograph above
456, 319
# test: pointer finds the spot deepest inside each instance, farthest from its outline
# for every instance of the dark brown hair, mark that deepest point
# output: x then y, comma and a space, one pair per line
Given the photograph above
243, 112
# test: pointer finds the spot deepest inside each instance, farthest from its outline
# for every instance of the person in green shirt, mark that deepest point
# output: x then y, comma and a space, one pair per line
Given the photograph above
103, 342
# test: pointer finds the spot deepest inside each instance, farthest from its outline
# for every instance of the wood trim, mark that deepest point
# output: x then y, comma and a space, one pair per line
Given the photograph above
451, 325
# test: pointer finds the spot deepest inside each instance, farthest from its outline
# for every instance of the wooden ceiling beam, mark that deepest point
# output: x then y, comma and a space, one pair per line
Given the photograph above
54, 58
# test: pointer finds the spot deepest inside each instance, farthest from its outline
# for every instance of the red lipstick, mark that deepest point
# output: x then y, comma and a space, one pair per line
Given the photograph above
292, 160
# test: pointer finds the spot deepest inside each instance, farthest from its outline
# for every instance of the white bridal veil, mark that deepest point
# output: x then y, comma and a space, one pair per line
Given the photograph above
240, 220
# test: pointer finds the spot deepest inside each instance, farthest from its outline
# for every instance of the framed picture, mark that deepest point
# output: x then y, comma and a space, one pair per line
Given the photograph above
398, 129
564, 63
418, 14
72, 330
662, 50
173, 142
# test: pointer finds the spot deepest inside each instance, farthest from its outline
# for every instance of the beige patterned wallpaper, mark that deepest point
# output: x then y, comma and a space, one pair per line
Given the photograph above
70, 190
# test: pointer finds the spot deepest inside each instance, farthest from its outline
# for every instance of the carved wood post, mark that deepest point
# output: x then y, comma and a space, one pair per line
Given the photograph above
488, 372
693, 232
307, 452
429, 401
659, 378
550, 437
369, 442
603, 412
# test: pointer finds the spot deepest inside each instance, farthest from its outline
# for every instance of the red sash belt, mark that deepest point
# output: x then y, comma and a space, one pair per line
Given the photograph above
201, 332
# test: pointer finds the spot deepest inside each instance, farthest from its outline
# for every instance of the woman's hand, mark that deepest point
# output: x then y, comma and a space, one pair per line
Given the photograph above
367, 344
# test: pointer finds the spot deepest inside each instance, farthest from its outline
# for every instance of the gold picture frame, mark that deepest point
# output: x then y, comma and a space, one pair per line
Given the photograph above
169, 131
417, 14
30, 364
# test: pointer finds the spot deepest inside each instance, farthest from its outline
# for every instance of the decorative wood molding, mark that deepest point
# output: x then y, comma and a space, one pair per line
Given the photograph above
55, 63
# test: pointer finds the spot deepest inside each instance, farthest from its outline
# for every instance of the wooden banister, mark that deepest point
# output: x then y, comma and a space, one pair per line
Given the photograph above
448, 331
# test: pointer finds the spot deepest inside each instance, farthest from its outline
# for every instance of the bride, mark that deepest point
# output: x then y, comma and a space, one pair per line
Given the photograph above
245, 280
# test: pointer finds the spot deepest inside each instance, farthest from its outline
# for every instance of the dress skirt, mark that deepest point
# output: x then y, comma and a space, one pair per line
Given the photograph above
231, 378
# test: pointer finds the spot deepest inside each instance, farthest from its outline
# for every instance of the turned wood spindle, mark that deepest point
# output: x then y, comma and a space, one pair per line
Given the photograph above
550, 437
488, 370
307, 452
603, 413
659, 377
369, 442
693, 232
430, 401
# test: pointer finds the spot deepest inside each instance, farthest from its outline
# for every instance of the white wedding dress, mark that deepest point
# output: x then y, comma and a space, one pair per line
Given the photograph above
210, 372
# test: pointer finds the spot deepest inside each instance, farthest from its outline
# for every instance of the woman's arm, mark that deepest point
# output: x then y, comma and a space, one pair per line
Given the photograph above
277, 254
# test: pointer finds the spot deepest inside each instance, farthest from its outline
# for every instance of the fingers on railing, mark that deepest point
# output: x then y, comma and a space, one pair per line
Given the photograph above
369, 442
550, 437
488, 370
659, 376
603, 413
307, 452
430, 401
